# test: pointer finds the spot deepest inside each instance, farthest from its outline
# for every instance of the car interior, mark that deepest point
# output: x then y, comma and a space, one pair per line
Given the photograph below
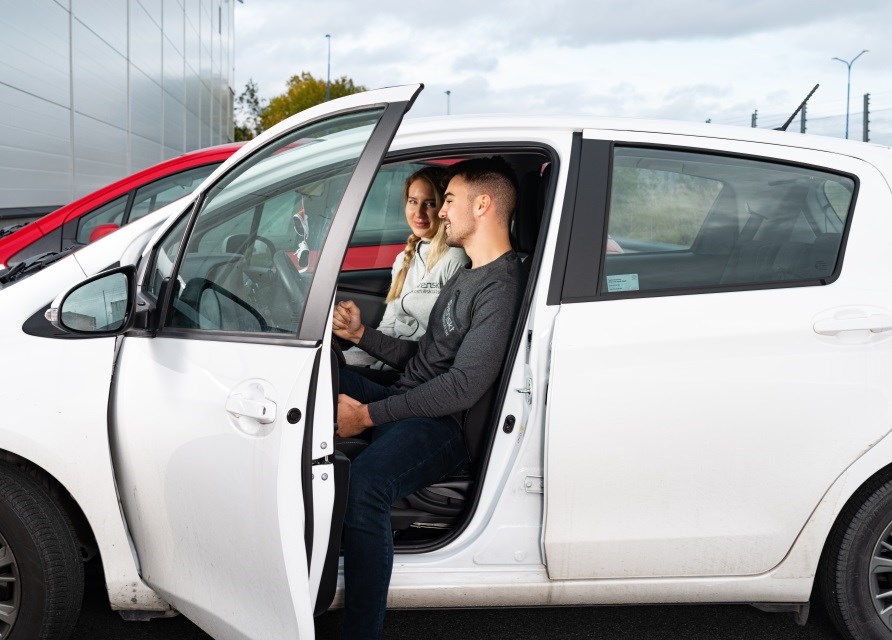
432, 516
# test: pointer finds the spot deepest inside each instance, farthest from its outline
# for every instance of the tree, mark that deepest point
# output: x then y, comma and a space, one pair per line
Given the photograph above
304, 91
248, 112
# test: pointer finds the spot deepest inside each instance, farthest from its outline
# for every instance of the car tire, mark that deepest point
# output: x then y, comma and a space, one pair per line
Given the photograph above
41, 571
857, 566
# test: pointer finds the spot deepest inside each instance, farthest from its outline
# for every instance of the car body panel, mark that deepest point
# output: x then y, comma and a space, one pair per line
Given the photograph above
72, 423
199, 471
701, 407
499, 558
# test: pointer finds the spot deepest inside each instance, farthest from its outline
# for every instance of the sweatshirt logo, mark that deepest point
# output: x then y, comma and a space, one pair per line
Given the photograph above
449, 316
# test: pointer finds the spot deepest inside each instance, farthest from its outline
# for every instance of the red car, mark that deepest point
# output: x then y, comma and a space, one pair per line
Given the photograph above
380, 234
111, 207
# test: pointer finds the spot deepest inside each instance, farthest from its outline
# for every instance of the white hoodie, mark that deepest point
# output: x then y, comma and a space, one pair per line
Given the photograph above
406, 317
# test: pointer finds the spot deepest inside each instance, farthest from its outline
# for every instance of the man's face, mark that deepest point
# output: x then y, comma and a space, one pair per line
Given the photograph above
457, 213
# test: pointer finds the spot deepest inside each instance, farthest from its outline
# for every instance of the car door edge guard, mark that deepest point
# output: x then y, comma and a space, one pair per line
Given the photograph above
306, 458
314, 321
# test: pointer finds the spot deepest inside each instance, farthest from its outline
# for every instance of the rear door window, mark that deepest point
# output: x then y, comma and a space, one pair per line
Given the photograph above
681, 220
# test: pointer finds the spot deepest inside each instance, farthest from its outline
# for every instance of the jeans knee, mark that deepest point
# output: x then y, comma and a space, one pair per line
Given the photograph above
366, 495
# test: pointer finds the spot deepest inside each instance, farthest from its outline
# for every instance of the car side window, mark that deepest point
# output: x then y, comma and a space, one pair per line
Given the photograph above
109, 213
680, 220
250, 256
162, 192
383, 218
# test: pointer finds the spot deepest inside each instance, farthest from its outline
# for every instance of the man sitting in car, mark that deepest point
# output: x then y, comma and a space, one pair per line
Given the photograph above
416, 437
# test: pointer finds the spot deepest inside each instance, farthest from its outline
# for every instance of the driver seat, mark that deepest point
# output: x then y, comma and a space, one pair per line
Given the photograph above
437, 506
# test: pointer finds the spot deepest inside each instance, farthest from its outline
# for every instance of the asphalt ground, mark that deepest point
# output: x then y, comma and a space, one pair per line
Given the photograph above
700, 622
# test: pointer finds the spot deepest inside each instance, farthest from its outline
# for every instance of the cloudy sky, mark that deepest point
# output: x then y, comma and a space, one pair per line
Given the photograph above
675, 59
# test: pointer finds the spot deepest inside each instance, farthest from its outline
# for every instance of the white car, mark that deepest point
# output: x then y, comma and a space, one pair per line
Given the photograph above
702, 416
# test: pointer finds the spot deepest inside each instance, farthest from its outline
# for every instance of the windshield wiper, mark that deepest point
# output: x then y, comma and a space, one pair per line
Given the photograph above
6, 231
33, 265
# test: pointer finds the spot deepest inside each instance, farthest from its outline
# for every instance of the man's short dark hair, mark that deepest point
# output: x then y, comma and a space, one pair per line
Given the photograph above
492, 176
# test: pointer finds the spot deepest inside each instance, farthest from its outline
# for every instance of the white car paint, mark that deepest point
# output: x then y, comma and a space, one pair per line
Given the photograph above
599, 533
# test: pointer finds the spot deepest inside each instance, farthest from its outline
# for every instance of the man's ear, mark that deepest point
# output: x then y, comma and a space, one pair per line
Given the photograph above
482, 204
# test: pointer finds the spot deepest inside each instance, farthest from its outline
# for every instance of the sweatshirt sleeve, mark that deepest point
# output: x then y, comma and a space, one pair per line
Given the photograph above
389, 350
475, 368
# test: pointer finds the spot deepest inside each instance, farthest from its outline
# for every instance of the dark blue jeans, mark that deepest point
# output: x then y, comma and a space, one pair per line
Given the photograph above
404, 456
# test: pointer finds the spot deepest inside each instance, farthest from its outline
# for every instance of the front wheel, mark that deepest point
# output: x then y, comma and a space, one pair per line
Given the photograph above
41, 571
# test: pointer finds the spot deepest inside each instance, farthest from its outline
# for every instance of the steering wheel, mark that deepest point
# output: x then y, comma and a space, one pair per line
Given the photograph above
287, 292
249, 242
238, 266
290, 279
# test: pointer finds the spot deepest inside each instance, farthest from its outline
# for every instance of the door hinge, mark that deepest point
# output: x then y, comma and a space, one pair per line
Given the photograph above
534, 484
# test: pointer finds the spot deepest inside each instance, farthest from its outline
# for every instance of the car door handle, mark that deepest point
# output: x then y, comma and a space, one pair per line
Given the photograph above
260, 409
875, 323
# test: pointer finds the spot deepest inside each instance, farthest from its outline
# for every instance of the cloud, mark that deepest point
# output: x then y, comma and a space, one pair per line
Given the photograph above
683, 59
575, 23
476, 63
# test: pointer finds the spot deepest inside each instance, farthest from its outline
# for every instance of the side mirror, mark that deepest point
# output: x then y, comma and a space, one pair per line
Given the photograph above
100, 306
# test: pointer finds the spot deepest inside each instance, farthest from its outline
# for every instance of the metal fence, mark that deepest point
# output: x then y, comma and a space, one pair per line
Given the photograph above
828, 118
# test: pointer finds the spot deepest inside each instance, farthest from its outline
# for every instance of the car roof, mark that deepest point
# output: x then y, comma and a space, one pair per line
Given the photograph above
515, 122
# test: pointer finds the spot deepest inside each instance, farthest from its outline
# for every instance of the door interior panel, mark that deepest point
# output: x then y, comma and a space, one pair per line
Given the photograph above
367, 289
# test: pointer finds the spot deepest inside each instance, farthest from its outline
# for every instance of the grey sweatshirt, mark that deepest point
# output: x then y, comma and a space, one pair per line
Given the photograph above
461, 354
406, 317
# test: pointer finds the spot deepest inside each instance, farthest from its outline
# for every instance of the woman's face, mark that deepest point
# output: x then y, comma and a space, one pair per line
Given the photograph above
421, 210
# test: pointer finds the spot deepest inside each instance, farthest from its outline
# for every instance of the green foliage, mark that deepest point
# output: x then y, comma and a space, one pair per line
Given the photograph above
248, 111
303, 92
659, 206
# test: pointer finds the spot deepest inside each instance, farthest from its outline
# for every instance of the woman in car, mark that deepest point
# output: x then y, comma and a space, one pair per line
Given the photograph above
421, 270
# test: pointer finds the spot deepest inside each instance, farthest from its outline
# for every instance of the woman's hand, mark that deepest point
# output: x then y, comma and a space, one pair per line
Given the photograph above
347, 322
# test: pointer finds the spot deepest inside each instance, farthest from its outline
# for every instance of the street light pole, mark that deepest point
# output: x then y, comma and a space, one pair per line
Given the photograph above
448, 93
849, 64
328, 74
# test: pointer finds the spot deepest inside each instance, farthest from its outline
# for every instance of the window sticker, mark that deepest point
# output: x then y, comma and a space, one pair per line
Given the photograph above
622, 282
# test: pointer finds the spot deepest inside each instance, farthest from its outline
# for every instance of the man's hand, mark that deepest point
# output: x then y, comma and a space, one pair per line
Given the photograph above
347, 322
353, 416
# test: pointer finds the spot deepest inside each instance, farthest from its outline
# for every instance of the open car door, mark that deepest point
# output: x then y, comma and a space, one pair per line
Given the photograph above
222, 405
